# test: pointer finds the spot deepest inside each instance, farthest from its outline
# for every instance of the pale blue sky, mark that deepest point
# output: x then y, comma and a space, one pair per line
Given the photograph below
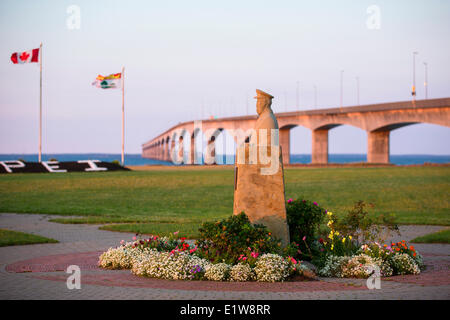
180, 55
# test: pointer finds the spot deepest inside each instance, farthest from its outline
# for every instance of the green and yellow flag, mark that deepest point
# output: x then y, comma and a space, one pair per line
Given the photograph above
113, 81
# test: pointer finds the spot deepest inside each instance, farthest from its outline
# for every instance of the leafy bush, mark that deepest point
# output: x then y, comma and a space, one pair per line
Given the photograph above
227, 240
364, 229
304, 218
402, 263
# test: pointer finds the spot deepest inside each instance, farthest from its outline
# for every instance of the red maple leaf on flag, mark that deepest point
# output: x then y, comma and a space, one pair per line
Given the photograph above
24, 56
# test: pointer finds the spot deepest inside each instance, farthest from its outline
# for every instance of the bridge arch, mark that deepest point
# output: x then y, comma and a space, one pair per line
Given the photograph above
376, 119
285, 140
379, 140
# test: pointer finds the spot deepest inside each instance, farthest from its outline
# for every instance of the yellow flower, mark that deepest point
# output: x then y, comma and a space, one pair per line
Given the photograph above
332, 246
337, 233
329, 213
343, 240
350, 237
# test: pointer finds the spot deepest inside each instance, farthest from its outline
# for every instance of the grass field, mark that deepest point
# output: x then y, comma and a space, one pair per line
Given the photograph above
442, 236
416, 195
14, 238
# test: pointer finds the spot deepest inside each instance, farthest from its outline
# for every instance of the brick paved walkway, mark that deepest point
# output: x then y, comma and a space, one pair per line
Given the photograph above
80, 244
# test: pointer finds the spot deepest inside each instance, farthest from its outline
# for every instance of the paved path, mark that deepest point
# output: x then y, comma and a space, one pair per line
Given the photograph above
85, 241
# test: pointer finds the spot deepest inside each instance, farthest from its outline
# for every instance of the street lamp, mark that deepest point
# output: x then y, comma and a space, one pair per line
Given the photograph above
425, 84
342, 88
357, 91
413, 92
315, 96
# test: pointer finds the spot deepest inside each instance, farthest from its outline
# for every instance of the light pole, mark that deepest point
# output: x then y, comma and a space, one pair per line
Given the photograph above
357, 91
342, 88
425, 84
413, 93
315, 96
246, 102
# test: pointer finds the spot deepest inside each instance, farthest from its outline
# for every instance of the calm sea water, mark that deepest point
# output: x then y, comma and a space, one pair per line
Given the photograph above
136, 159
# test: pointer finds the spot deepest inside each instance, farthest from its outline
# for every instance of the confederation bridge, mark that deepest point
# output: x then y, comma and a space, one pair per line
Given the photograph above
378, 120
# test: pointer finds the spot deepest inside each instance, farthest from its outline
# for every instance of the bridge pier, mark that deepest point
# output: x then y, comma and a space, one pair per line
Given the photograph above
167, 151
210, 156
319, 154
378, 146
192, 151
158, 146
172, 149
181, 149
285, 143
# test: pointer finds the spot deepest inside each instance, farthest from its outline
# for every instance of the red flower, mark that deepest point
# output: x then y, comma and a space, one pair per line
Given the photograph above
321, 240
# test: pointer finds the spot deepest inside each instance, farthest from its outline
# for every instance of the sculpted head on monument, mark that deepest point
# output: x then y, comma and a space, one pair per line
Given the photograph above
263, 101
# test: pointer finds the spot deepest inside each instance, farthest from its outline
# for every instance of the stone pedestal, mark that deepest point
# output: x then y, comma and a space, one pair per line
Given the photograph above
260, 196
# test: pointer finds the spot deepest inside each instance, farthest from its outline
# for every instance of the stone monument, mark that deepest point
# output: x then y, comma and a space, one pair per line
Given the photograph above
259, 177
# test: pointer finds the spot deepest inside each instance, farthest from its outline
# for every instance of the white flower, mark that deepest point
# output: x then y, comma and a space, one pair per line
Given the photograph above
404, 264
271, 268
217, 272
241, 272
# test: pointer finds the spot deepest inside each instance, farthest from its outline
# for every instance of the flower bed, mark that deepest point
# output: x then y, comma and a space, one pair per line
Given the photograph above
167, 258
236, 250
343, 257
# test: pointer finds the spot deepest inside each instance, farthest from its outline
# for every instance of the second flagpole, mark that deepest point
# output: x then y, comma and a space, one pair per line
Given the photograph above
40, 103
123, 115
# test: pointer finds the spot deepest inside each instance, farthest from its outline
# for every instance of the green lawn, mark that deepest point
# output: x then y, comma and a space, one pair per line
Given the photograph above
14, 238
188, 230
416, 195
442, 236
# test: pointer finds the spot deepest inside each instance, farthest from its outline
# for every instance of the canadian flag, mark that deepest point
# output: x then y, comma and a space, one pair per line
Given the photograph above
25, 57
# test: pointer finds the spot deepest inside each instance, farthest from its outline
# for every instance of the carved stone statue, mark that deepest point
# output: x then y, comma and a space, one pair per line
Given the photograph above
266, 119
259, 185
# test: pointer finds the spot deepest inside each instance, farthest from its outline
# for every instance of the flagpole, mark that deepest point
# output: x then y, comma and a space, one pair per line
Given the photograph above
123, 114
40, 104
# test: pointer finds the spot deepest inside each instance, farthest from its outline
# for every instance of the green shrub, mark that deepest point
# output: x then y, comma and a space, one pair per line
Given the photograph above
226, 240
116, 162
363, 228
304, 218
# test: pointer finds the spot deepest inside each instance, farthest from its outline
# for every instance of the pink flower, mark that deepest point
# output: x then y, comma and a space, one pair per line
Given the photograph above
315, 203
175, 233
134, 238
290, 200
122, 242
304, 238
244, 258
